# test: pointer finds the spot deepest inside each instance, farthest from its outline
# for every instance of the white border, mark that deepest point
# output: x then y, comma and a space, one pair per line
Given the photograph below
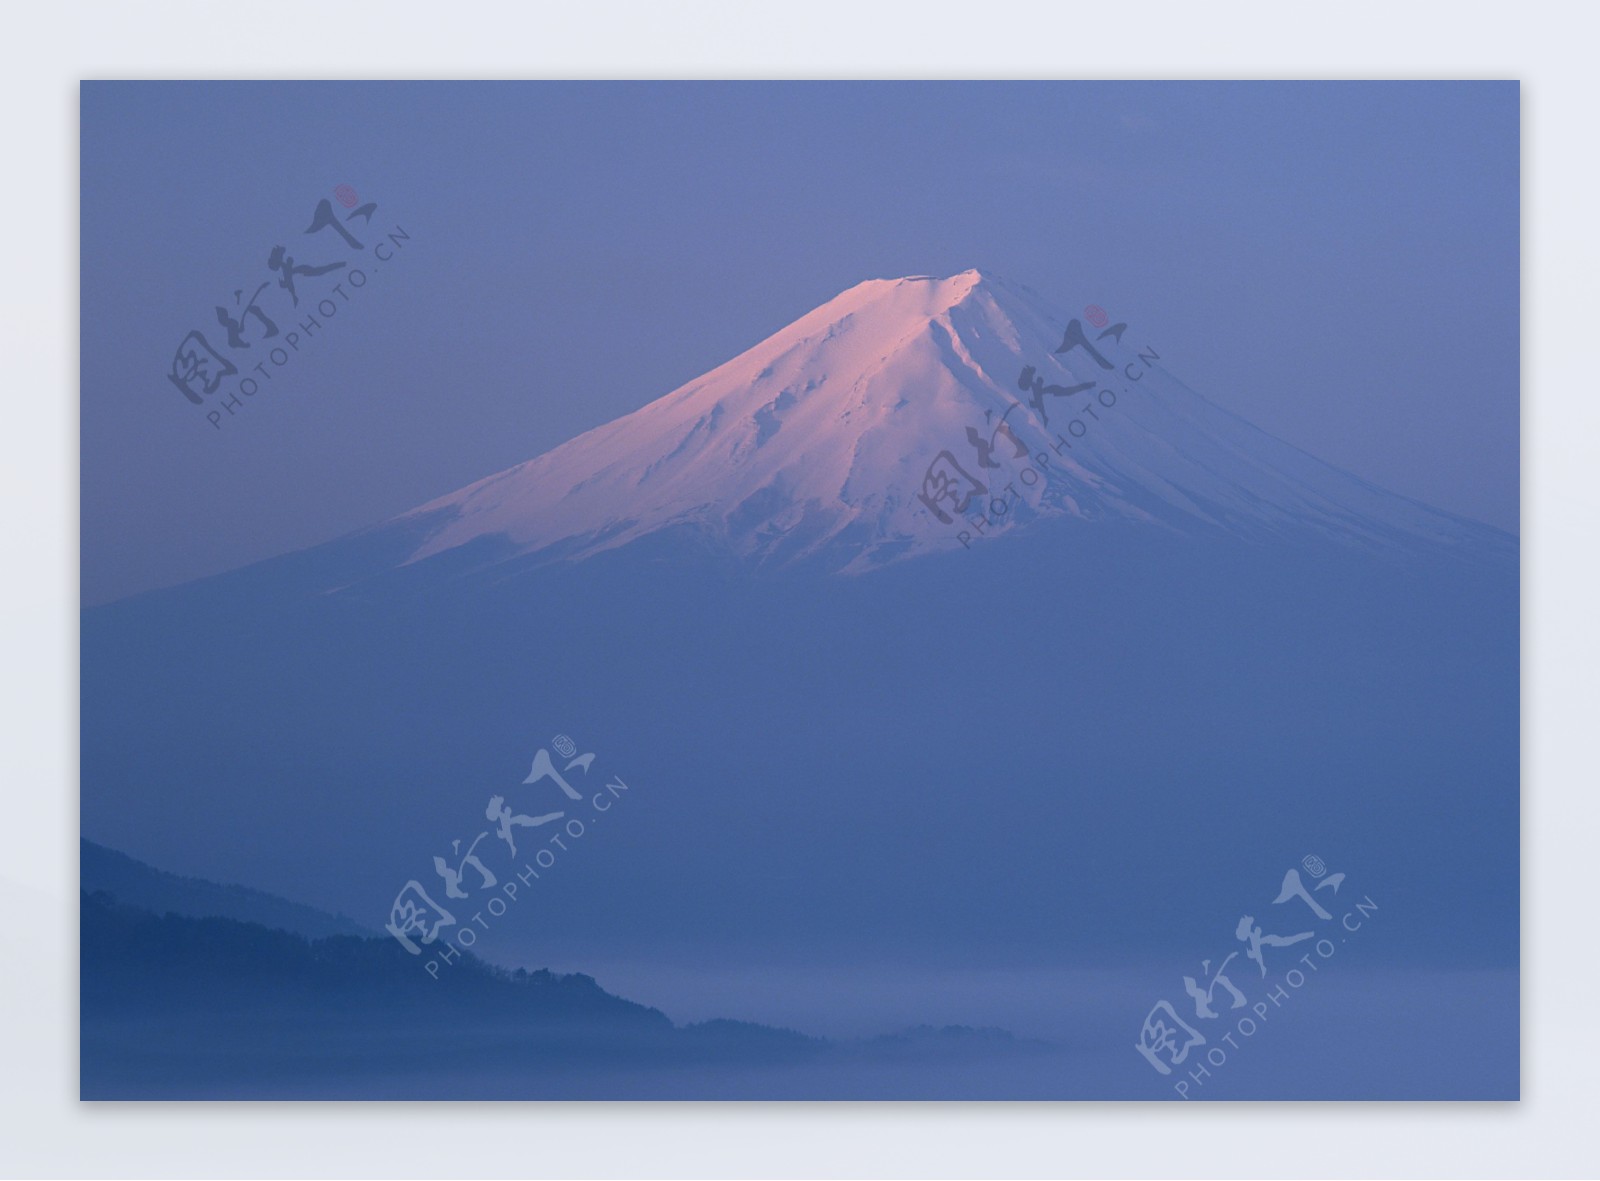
46, 1132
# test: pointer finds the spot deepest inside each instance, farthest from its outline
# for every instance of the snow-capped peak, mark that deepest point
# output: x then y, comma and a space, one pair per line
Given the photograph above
892, 418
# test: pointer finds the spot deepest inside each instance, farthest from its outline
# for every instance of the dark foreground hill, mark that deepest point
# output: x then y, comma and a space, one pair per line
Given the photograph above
134, 883
176, 1007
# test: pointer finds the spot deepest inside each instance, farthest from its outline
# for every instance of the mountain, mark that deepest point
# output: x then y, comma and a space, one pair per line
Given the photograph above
133, 883
814, 445
1200, 657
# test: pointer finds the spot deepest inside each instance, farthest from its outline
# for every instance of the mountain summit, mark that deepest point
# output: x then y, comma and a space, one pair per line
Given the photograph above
907, 416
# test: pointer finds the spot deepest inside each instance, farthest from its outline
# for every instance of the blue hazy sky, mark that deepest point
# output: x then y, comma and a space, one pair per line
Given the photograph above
1338, 262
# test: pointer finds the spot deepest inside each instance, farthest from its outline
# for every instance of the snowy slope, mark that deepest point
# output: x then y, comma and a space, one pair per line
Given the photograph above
815, 443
